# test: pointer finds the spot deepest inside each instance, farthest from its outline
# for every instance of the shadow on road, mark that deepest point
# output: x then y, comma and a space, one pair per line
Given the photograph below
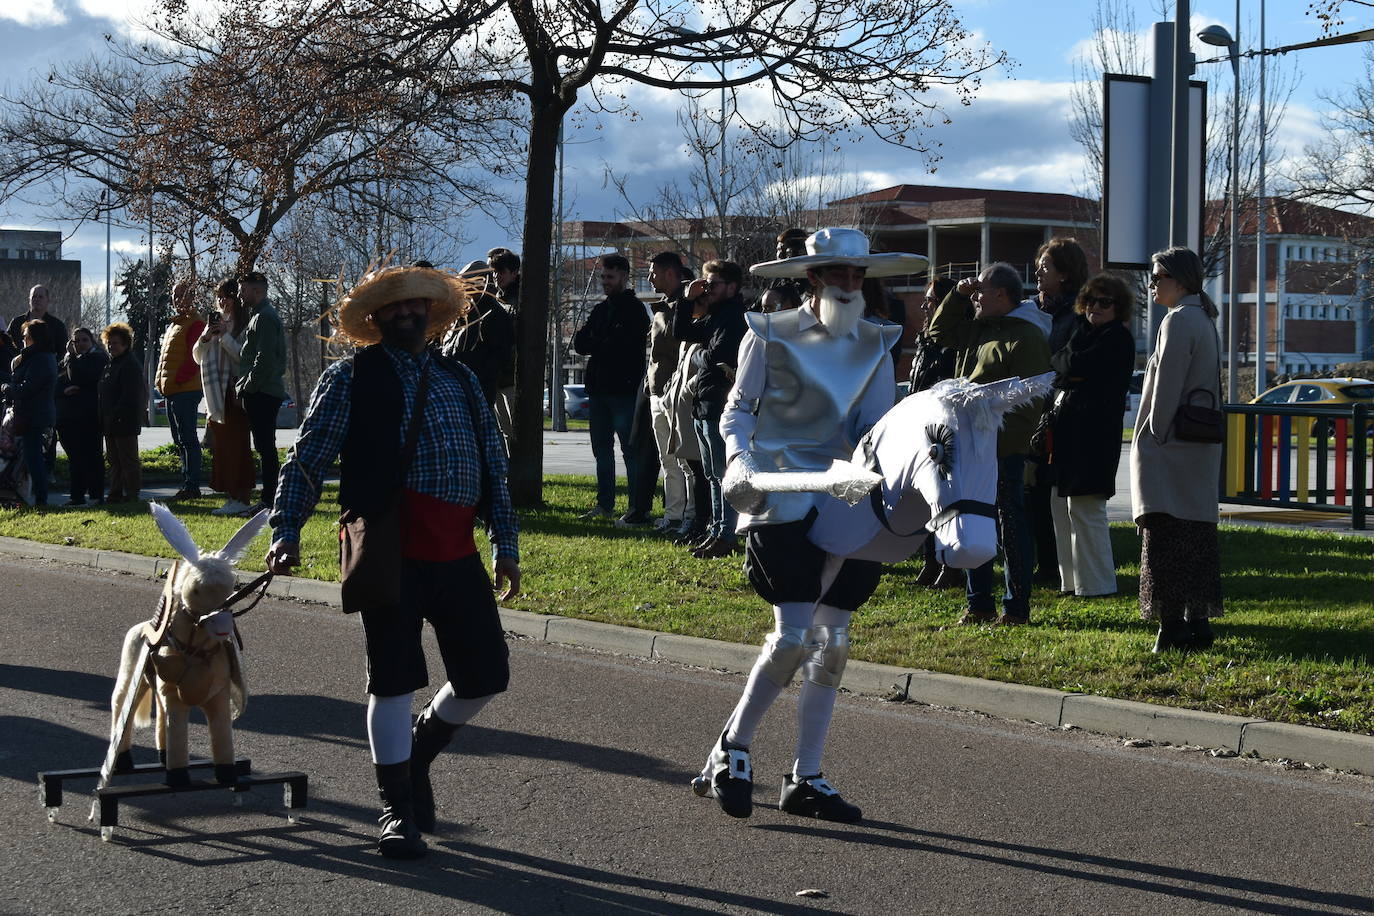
1143, 876
55, 682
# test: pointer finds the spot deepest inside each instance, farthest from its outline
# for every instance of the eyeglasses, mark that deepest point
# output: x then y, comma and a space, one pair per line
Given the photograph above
1155, 278
1100, 302
712, 283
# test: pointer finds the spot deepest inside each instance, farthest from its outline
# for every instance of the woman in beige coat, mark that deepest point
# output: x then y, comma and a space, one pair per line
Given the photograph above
1174, 482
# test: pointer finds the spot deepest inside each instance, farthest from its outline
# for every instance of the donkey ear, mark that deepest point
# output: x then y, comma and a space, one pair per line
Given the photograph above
243, 537
175, 532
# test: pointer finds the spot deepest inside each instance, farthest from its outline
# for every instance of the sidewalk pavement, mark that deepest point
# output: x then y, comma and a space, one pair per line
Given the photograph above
1126, 719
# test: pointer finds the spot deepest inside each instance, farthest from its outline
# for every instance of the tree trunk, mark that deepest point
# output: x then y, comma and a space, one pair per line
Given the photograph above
526, 479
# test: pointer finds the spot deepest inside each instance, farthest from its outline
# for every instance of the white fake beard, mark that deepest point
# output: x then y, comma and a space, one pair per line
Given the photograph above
839, 311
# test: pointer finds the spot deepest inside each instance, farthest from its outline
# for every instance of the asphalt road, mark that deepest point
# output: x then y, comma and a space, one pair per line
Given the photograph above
570, 795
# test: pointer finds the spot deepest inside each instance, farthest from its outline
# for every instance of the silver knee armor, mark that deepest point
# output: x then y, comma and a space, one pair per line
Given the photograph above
783, 653
826, 655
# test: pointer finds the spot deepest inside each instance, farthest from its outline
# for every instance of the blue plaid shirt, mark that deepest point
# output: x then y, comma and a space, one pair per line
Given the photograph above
447, 464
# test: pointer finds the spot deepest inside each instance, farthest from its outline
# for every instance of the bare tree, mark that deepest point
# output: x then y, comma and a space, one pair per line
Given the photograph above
833, 68
233, 121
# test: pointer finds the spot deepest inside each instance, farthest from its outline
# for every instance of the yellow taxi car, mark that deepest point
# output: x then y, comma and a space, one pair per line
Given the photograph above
1326, 392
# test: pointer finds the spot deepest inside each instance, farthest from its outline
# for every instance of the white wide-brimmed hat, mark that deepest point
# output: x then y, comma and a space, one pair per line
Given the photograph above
836, 246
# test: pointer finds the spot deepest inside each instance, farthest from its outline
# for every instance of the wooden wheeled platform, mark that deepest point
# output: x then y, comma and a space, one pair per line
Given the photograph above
295, 791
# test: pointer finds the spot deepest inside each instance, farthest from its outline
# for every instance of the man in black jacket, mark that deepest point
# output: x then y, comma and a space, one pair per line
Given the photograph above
613, 340
719, 332
484, 341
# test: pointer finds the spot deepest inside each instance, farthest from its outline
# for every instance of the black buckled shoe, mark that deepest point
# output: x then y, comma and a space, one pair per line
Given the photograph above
812, 796
400, 838
729, 777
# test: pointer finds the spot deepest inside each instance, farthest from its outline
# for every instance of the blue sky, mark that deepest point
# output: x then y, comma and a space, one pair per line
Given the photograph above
1015, 135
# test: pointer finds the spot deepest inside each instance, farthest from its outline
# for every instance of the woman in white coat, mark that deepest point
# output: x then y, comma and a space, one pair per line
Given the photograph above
1174, 482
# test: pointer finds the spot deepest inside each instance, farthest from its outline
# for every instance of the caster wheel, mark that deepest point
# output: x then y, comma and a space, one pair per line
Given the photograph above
702, 786
106, 834
52, 815
292, 819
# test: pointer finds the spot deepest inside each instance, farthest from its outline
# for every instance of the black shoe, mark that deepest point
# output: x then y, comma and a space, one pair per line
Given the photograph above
688, 537
594, 512
633, 520
430, 735
729, 777
1201, 628
1173, 634
187, 493
400, 838
812, 796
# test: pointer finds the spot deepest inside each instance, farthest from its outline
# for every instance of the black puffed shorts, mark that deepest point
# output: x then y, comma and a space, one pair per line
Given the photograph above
784, 566
457, 600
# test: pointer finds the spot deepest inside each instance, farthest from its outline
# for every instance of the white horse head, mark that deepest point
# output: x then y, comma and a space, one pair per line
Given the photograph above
937, 453
205, 580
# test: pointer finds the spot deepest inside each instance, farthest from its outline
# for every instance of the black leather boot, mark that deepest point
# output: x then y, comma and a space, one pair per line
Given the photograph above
430, 735
1173, 634
400, 838
1201, 628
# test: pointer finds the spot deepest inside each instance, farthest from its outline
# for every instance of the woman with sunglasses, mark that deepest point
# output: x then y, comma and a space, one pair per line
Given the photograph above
1084, 442
1174, 481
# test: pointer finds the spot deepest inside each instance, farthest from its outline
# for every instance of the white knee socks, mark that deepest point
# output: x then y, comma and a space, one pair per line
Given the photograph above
816, 705
759, 691
457, 710
388, 728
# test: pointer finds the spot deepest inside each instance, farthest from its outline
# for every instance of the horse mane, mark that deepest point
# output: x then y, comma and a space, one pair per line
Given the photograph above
973, 399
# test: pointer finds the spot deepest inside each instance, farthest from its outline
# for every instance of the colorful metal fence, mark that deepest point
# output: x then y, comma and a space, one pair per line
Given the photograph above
1297, 456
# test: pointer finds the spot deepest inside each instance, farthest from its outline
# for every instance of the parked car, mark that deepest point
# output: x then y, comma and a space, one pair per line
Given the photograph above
575, 404
1326, 392
288, 417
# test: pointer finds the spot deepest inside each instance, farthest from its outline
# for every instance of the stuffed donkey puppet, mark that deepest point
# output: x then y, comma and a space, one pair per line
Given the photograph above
188, 657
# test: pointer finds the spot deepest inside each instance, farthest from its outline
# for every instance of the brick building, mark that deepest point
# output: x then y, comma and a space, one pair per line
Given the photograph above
1319, 299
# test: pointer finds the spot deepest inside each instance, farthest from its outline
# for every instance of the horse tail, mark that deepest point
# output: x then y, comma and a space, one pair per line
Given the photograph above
129, 679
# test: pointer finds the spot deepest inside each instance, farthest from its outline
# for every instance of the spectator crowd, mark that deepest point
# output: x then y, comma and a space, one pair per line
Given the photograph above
657, 376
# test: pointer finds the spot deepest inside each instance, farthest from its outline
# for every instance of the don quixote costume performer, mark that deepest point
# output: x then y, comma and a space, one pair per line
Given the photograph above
811, 381
420, 458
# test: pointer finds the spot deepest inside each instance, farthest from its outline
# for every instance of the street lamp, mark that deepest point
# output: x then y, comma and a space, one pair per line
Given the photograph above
1219, 37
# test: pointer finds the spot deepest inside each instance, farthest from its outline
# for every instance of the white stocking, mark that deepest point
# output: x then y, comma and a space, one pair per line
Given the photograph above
456, 710
388, 728
759, 691
816, 705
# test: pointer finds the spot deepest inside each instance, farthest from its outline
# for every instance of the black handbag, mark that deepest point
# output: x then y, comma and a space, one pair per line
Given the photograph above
1195, 423
370, 546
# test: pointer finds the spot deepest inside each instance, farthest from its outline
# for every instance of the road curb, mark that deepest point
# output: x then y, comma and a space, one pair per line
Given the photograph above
1104, 715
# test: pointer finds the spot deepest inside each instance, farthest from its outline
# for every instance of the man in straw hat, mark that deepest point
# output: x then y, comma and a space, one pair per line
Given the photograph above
810, 382
417, 485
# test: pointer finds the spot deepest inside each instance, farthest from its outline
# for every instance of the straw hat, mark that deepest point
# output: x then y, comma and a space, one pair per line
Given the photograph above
835, 246
449, 296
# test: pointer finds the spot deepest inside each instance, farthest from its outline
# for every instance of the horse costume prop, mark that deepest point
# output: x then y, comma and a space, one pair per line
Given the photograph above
186, 655
928, 468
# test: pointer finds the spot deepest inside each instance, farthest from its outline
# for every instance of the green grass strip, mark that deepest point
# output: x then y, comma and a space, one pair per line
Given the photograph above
1295, 644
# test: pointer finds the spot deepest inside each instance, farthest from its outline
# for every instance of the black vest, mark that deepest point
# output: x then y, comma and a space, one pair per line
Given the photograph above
369, 462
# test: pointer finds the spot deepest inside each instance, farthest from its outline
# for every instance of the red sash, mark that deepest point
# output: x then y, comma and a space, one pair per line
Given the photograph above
435, 531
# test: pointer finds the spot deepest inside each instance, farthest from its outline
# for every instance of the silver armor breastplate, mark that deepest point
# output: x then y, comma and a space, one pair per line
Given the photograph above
807, 413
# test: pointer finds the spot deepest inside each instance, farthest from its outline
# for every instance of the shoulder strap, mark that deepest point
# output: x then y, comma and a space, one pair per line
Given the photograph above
413, 432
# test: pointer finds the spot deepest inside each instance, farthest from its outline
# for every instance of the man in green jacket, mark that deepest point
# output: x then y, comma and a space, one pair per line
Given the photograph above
999, 339
261, 386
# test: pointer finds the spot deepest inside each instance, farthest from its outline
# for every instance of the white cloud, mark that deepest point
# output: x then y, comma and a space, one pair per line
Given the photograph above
33, 13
